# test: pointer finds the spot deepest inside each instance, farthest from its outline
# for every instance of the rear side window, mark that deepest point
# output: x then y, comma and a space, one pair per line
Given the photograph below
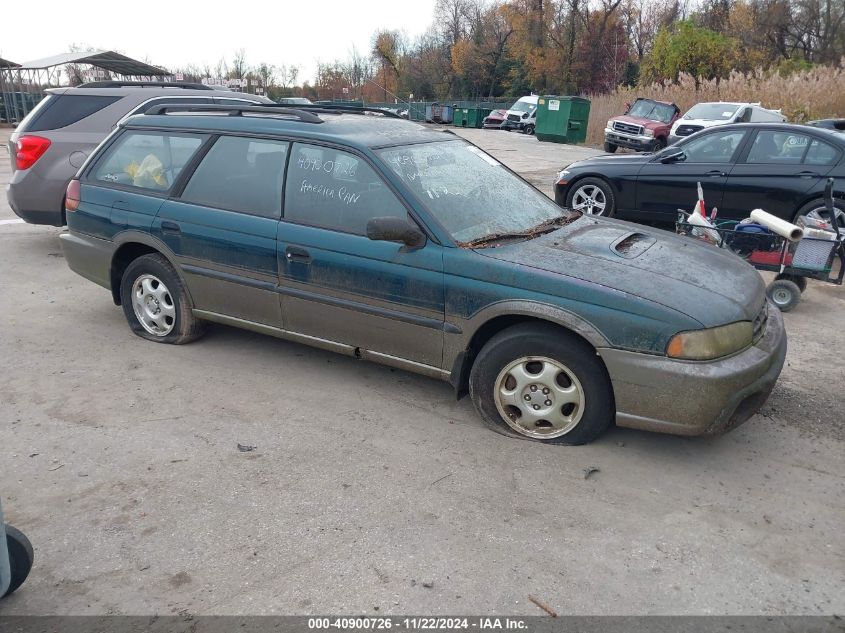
63, 110
820, 153
147, 160
776, 147
240, 174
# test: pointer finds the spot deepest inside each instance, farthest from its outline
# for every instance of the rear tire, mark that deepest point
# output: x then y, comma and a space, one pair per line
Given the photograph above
819, 205
785, 294
21, 558
156, 304
610, 148
538, 381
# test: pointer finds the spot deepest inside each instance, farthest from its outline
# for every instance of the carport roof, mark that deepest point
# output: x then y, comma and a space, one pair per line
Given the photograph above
107, 60
5, 63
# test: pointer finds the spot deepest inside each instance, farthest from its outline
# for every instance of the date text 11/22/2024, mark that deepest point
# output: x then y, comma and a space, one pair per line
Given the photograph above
420, 623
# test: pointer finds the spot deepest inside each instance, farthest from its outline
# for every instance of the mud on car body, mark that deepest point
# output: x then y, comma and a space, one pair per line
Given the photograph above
383, 239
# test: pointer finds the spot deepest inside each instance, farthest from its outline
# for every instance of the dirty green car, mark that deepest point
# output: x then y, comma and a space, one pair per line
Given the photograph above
392, 242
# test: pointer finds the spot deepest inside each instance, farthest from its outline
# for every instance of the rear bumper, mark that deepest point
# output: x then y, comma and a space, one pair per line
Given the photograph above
36, 200
89, 256
637, 142
655, 393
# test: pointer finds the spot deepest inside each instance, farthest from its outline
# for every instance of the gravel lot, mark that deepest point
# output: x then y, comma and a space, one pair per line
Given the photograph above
120, 462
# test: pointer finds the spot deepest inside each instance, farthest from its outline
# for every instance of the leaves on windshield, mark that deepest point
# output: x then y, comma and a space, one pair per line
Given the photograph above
545, 227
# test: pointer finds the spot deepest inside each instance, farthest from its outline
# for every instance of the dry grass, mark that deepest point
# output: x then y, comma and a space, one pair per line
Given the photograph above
817, 93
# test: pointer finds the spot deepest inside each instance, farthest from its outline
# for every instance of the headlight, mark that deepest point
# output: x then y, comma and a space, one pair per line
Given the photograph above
610, 123
562, 177
712, 342
649, 132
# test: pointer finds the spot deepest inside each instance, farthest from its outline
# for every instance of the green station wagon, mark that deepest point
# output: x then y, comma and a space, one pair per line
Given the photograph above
392, 242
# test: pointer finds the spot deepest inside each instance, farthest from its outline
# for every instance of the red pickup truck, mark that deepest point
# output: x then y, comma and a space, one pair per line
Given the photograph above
644, 127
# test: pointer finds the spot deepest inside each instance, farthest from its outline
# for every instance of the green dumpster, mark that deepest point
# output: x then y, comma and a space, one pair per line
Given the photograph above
460, 117
475, 116
562, 119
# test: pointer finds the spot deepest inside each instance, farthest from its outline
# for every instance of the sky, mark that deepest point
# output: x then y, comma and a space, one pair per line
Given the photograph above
182, 32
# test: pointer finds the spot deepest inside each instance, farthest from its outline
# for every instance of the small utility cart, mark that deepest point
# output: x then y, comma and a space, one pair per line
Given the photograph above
16, 557
816, 255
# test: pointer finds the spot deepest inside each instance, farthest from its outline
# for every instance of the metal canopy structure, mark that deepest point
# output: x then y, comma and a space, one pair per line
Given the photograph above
23, 85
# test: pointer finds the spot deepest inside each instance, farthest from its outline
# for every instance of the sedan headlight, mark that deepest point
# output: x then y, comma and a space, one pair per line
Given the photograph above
562, 177
712, 342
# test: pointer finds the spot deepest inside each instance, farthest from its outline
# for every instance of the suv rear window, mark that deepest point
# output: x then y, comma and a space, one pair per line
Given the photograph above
147, 160
62, 110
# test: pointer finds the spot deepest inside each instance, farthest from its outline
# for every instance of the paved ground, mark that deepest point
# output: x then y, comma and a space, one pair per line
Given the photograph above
120, 461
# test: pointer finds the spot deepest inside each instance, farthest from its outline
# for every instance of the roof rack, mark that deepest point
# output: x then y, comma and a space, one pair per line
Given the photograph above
235, 110
329, 108
143, 84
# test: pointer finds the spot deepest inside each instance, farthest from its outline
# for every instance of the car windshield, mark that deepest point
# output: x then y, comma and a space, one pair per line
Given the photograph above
469, 192
523, 106
651, 110
712, 111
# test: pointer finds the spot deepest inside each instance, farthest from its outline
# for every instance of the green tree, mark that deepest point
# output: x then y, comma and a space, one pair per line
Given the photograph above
699, 52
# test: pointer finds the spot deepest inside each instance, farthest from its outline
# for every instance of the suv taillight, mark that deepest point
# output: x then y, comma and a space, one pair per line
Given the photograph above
30, 149
72, 195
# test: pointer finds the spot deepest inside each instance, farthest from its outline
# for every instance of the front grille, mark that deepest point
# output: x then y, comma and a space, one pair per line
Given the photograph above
627, 128
760, 322
686, 130
513, 117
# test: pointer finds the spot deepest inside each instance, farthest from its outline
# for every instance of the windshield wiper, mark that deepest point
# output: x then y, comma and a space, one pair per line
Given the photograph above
540, 229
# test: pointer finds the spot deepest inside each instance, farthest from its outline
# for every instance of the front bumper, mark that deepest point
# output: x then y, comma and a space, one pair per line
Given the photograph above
512, 125
656, 393
637, 142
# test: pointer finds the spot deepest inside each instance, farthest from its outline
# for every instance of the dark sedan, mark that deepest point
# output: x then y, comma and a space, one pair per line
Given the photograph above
779, 167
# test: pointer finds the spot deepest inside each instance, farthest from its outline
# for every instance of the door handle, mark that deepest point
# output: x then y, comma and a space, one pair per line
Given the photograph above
808, 174
170, 227
716, 173
297, 254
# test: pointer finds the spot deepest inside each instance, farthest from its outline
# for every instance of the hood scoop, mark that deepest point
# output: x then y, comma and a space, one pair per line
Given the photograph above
632, 245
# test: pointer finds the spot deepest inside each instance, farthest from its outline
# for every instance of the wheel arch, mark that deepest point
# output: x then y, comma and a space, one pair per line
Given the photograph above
131, 246
817, 197
574, 182
505, 316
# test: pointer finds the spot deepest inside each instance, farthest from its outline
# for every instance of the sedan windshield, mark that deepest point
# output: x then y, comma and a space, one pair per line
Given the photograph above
712, 111
651, 110
469, 192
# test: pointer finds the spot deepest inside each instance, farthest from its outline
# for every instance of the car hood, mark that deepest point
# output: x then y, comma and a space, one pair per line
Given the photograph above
638, 120
604, 160
708, 284
702, 122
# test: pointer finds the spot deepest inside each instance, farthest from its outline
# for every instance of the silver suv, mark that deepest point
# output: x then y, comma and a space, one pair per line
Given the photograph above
53, 141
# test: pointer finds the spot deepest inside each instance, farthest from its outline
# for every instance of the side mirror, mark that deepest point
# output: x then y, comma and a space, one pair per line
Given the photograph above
674, 156
627, 107
393, 229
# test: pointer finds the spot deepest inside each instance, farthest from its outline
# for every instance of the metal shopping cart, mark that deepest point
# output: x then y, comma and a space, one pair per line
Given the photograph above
819, 254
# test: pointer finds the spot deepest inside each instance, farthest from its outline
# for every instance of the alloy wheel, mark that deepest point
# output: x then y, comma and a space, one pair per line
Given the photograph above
153, 305
539, 397
589, 199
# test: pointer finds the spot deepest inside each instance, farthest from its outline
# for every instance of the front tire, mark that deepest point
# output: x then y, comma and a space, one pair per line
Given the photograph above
610, 148
21, 558
659, 144
529, 130
592, 196
155, 302
537, 381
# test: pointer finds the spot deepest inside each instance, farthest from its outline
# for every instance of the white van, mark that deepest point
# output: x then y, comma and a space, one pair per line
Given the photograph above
704, 115
522, 115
